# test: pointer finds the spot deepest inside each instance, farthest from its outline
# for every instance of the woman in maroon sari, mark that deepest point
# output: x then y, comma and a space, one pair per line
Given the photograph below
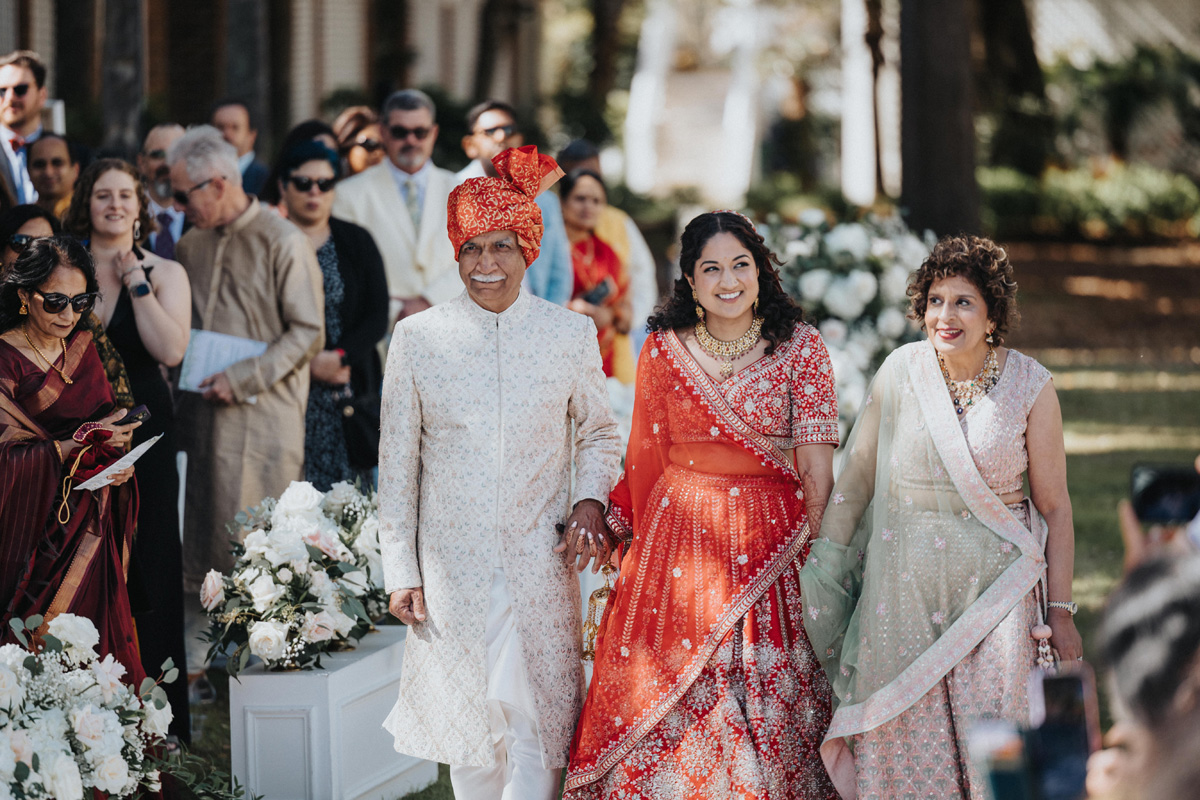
61, 549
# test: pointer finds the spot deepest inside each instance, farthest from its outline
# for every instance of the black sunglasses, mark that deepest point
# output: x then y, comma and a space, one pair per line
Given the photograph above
305, 184
19, 241
507, 130
19, 90
371, 145
157, 154
183, 198
55, 302
399, 132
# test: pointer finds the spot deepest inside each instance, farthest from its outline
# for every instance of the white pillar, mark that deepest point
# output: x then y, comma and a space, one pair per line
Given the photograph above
858, 116
656, 49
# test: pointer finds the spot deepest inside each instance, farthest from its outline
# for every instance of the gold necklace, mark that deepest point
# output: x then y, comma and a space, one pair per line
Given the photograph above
965, 393
36, 349
728, 352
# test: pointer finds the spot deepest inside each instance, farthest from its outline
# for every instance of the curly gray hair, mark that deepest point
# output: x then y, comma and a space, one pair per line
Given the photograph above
206, 154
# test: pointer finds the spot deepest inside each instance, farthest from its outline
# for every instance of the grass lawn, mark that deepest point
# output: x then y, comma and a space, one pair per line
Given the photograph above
1098, 476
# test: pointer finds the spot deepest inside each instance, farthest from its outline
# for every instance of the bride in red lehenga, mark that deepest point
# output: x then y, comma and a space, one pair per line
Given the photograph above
705, 685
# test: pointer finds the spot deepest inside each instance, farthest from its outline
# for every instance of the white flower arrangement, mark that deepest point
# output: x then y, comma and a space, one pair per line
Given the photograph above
852, 280
307, 578
68, 724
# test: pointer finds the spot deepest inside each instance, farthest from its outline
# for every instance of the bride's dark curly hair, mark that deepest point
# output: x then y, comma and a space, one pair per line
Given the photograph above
780, 315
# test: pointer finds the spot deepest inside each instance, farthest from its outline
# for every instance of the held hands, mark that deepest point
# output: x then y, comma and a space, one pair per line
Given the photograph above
1063, 636
218, 390
586, 536
408, 605
603, 315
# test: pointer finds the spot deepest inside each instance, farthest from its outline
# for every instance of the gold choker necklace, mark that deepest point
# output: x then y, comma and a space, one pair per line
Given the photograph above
728, 352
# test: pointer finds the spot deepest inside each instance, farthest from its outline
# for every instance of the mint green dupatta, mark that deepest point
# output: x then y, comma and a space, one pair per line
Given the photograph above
917, 560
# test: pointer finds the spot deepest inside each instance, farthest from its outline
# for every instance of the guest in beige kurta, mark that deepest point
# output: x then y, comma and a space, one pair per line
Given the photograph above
256, 276
489, 400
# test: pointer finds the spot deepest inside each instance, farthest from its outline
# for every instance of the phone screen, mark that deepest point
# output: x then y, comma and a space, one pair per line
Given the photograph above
1059, 746
1165, 494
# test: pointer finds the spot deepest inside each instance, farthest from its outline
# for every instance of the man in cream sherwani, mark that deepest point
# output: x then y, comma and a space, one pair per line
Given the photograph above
402, 202
488, 401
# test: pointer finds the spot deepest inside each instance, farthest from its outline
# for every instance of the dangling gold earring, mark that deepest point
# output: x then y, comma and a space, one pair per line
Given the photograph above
990, 340
24, 309
756, 306
699, 308
137, 229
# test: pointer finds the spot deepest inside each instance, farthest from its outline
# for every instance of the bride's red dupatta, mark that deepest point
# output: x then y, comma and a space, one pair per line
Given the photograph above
682, 588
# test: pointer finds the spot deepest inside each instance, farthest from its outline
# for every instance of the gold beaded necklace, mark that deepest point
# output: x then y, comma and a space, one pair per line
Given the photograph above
965, 393
36, 349
728, 352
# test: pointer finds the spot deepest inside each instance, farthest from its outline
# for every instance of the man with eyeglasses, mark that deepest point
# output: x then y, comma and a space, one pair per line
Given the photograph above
156, 175
402, 202
22, 98
255, 276
53, 168
493, 126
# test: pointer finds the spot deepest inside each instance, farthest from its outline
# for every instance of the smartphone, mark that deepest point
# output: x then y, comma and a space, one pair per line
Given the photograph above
600, 292
1065, 730
1165, 494
139, 414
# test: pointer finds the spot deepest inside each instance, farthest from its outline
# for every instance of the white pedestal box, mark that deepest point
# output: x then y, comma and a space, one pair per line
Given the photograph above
317, 734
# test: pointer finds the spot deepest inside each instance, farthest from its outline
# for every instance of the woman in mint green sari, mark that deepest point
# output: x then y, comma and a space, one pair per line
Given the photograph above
933, 569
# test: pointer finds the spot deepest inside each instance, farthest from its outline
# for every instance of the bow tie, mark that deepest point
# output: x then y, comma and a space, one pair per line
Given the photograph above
16, 143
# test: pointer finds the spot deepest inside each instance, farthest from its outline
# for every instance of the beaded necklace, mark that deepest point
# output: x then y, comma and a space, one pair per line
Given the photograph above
38, 350
965, 393
728, 352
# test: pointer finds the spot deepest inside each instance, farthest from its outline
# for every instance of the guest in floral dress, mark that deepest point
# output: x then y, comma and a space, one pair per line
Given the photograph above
933, 571
704, 683
355, 318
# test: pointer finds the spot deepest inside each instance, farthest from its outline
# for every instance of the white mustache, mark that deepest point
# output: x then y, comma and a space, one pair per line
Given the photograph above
487, 278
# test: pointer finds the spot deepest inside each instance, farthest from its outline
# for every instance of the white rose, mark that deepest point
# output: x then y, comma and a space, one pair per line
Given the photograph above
256, 544
111, 775
850, 239
247, 576
301, 499
911, 251
894, 285
212, 591
866, 338
865, 284
264, 591
799, 248
340, 495
62, 778
285, 575
13, 656
368, 536
107, 674
22, 747
814, 283
834, 332
322, 586
158, 719
883, 248
268, 640
88, 724
844, 301
891, 323
813, 218
12, 694
317, 627
341, 623
78, 635
286, 546
355, 583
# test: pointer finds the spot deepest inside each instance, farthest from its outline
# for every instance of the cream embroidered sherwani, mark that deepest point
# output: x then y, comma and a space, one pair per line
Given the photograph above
257, 278
475, 471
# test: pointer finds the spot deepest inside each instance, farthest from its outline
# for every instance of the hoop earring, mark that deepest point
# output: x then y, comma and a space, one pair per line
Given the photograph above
699, 308
137, 229
24, 309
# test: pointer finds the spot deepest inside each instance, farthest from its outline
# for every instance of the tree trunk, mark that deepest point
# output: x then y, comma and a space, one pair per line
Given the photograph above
606, 15
122, 96
939, 190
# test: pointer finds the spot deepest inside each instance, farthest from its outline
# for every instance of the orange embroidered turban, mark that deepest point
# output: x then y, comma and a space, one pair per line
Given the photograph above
505, 203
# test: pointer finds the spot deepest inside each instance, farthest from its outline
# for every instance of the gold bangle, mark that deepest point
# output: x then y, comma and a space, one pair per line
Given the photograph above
58, 447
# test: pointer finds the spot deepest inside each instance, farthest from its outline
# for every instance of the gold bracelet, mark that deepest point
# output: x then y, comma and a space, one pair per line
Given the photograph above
58, 447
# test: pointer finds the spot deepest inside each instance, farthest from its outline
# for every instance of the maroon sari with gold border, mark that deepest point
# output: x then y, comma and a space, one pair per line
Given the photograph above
48, 567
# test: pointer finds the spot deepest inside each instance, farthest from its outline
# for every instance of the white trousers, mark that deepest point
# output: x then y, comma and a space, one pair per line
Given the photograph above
518, 773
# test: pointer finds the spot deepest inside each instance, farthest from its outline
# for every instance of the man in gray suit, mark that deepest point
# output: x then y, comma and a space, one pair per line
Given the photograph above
22, 98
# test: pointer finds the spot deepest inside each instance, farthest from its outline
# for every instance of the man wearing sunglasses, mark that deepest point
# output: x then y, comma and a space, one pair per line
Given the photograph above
255, 276
156, 176
402, 202
493, 126
22, 98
